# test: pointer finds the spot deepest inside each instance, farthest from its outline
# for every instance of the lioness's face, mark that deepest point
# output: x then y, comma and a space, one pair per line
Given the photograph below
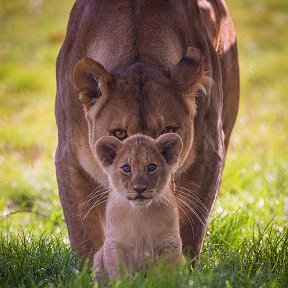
139, 106
139, 168
139, 99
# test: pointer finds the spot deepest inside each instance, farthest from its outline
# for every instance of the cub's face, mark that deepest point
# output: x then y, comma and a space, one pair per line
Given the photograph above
139, 168
141, 99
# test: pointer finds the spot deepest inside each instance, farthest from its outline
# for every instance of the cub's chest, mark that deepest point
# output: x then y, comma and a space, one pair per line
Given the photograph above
143, 234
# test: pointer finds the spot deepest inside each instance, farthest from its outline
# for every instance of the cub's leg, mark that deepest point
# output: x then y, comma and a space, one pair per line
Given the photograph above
172, 255
98, 265
114, 260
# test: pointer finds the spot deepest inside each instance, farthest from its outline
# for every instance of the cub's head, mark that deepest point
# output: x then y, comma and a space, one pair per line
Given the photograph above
139, 168
142, 98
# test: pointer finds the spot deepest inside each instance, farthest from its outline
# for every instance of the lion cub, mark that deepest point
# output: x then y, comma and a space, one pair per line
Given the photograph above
142, 220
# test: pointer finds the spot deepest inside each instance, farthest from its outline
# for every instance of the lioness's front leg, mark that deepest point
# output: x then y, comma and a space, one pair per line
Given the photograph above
199, 198
199, 184
85, 224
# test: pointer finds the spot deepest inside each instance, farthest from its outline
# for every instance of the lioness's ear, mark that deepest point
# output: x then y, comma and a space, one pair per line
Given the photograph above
189, 71
170, 146
106, 149
90, 80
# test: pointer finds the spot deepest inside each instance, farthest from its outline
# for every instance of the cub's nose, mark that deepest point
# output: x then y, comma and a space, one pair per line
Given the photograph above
139, 188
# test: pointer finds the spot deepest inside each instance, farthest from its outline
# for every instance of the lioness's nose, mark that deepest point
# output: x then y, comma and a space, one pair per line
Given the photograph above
139, 188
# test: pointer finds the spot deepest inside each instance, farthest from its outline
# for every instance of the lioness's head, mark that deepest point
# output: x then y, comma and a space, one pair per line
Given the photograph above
139, 168
141, 98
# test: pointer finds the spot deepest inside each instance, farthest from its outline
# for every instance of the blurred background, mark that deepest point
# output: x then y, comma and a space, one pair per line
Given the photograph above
255, 182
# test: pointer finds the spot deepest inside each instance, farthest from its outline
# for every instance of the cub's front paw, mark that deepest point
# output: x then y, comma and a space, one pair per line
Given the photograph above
98, 265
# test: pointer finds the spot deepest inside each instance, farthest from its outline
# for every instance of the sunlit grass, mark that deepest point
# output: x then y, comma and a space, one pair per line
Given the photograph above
243, 248
236, 253
31, 34
38, 261
255, 177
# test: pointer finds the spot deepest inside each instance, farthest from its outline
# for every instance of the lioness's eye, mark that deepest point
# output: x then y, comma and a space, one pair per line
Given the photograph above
152, 167
169, 129
126, 169
120, 134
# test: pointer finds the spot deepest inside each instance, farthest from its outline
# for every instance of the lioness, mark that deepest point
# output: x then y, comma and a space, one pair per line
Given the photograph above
142, 220
150, 67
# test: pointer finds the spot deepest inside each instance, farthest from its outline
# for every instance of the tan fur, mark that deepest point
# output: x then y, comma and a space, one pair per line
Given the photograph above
139, 230
142, 66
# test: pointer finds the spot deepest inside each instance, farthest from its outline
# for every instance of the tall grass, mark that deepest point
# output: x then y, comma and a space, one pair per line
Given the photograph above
230, 258
27, 260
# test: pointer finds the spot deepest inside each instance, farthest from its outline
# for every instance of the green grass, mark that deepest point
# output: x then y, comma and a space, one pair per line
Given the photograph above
247, 239
231, 258
29, 261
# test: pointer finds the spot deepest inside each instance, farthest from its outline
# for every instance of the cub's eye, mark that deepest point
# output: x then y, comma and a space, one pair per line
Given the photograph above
120, 134
126, 169
169, 129
152, 167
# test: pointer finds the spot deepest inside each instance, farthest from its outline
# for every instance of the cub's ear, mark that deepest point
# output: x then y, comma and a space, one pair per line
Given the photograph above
106, 149
170, 146
90, 80
189, 71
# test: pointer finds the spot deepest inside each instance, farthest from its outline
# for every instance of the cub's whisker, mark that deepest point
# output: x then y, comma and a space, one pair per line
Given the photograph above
195, 211
192, 211
189, 182
191, 194
191, 221
95, 196
98, 202
202, 210
97, 192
